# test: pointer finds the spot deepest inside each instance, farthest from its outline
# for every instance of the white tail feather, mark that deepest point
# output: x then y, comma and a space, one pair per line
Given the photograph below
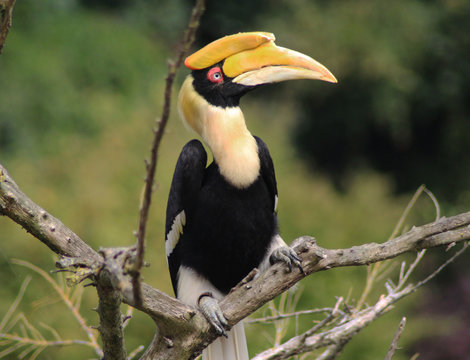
190, 287
231, 348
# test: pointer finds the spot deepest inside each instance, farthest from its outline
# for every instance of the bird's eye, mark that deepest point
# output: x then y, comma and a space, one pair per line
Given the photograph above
215, 75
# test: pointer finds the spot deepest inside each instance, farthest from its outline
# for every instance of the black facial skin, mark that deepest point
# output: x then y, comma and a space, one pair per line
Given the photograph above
223, 94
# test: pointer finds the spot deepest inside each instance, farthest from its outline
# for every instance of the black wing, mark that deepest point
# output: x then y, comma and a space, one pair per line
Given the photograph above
267, 170
185, 186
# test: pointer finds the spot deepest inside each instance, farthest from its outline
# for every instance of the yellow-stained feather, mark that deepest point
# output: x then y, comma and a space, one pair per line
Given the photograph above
224, 47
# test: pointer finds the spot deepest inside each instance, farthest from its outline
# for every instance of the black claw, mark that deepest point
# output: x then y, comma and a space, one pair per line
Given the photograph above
301, 269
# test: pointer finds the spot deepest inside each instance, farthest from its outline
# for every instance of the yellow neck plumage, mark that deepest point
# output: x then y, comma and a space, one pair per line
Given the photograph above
224, 131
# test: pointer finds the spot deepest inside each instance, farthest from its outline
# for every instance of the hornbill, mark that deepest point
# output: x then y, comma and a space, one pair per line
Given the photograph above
221, 220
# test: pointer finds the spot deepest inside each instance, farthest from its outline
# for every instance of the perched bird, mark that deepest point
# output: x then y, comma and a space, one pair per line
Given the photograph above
221, 219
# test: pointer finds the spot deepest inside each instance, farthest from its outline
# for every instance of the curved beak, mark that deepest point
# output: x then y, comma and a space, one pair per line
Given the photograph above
252, 59
269, 63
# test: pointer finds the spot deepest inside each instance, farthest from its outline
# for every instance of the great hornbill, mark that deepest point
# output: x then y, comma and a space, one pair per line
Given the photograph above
221, 219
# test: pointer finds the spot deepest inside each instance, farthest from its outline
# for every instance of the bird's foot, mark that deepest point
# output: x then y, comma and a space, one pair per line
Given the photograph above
287, 256
211, 310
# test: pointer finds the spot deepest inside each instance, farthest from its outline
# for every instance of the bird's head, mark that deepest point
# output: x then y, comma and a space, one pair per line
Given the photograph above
227, 68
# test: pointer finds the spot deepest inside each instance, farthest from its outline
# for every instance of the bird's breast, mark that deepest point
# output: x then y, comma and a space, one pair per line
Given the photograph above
229, 231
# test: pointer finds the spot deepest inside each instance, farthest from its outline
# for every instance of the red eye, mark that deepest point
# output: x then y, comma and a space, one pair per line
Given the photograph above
215, 75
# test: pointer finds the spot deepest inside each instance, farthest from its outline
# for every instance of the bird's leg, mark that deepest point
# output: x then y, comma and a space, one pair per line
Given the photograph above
211, 310
287, 256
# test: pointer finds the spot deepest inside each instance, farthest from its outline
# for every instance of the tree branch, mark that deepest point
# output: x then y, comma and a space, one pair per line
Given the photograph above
39, 223
396, 337
31, 336
337, 337
245, 299
193, 332
109, 308
151, 166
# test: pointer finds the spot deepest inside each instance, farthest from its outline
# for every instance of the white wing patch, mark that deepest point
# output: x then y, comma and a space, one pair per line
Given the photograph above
175, 233
275, 203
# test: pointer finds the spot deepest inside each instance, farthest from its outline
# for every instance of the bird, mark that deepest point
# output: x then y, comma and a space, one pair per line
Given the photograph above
221, 219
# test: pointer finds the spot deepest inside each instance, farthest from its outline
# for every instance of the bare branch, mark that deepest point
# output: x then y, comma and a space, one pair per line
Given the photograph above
332, 351
15, 303
435, 202
29, 339
133, 354
194, 332
67, 301
42, 225
337, 337
394, 344
268, 319
109, 308
151, 166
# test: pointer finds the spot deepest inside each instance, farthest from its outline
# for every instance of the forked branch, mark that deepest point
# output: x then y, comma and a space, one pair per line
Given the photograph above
194, 332
350, 323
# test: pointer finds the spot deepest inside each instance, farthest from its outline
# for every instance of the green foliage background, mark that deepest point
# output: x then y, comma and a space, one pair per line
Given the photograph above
81, 85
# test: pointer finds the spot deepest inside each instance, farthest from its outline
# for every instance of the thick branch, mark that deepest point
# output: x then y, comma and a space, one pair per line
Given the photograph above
246, 299
42, 225
192, 331
165, 310
109, 307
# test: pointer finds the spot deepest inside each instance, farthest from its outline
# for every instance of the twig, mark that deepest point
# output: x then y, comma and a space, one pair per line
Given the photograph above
67, 301
268, 319
407, 210
151, 166
333, 351
443, 266
394, 343
435, 202
6, 13
403, 278
38, 344
14, 306
134, 353
31, 338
